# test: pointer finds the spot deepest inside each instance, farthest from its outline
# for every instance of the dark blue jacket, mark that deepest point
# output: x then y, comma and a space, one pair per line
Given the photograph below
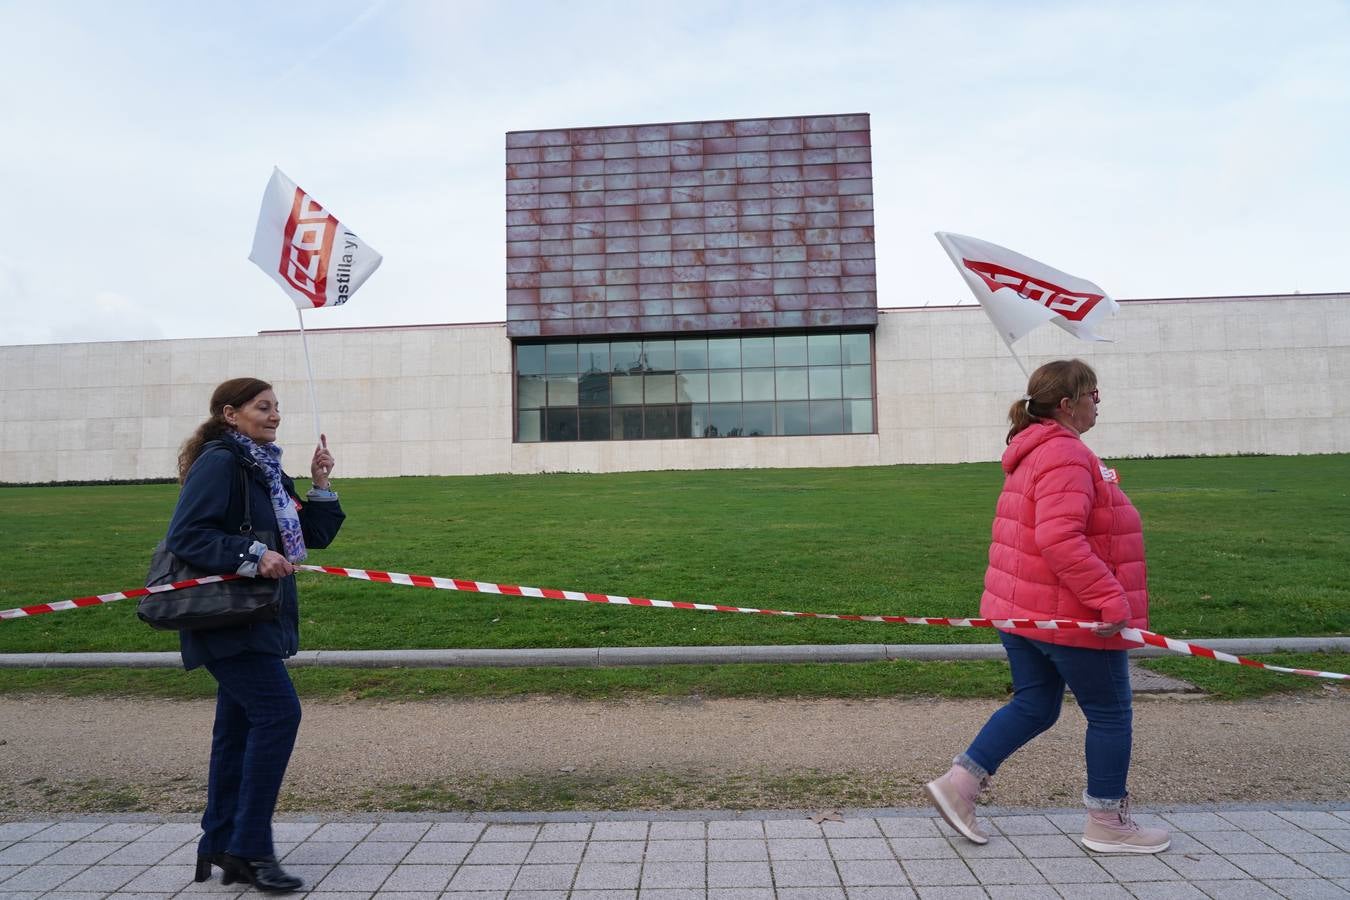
204, 532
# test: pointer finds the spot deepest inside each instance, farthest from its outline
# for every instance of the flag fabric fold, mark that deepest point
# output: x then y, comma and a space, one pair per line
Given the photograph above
1020, 294
317, 260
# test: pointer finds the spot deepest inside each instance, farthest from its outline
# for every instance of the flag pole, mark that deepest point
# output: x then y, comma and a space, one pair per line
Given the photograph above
309, 370
1021, 364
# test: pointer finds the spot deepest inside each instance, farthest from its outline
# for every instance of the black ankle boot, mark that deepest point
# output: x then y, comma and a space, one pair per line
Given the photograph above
264, 873
204, 863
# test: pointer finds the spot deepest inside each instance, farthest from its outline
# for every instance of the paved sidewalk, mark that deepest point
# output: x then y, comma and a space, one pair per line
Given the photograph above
1301, 851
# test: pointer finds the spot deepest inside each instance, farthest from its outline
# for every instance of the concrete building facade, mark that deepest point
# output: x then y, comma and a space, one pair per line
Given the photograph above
691, 295
1188, 376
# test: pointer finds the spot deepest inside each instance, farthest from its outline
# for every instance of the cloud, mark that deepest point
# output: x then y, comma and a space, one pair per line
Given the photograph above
106, 316
316, 52
1135, 144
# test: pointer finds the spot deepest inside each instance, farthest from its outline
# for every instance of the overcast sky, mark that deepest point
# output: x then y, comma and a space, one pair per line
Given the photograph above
1158, 149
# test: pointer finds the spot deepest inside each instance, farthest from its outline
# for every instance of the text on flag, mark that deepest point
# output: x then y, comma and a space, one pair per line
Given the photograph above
1071, 305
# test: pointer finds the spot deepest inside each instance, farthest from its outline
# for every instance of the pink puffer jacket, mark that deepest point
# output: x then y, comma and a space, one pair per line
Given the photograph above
1068, 544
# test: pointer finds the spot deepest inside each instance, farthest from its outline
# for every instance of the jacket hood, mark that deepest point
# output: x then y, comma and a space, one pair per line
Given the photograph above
1031, 437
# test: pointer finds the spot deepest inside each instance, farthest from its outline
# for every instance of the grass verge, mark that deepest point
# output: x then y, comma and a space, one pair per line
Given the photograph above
548, 791
1224, 681
896, 678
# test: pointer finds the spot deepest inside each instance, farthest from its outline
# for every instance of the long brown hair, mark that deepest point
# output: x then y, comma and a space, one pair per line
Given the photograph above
236, 392
1047, 386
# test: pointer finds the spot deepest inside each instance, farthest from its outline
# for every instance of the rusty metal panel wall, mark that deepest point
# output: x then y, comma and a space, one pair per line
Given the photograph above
694, 226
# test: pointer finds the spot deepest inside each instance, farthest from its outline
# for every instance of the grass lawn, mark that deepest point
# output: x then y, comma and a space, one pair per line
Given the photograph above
852, 681
1237, 546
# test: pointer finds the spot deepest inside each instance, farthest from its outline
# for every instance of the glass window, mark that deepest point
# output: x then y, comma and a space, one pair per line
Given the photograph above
624, 356
825, 384
626, 423
530, 359
793, 418
698, 420
530, 392
562, 359
562, 424
827, 416
857, 381
792, 384
626, 389
756, 419
757, 384
660, 355
856, 348
756, 352
593, 357
724, 353
724, 386
658, 389
789, 350
722, 420
691, 353
595, 424
858, 416
684, 421
660, 422
823, 349
691, 387
530, 426
562, 390
594, 389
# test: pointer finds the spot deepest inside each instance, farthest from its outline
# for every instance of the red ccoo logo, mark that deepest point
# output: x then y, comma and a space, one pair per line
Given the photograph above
1069, 304
306, 248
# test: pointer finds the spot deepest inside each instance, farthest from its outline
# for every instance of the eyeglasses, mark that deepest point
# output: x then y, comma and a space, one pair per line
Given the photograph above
1094, 394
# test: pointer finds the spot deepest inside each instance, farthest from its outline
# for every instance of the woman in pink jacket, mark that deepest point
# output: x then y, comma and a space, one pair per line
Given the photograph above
1067, 544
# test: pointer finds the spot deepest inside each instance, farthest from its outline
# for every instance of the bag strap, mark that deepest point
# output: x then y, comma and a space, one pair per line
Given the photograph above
241, 476
246, 526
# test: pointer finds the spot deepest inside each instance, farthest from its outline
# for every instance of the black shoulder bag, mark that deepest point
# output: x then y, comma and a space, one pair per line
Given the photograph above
219, 604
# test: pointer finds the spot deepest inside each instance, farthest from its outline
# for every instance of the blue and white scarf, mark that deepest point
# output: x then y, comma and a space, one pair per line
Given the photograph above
288, 518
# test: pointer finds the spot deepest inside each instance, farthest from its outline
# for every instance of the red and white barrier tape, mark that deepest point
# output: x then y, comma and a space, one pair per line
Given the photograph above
1137, 635
38, 609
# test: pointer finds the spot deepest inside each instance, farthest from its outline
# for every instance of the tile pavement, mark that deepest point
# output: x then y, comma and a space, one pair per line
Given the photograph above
1240, 851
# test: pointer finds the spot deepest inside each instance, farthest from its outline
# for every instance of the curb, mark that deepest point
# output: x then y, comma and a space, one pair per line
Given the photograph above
600, 657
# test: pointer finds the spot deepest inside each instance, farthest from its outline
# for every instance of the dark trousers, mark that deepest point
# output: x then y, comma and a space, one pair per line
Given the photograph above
1100, 681
257, 717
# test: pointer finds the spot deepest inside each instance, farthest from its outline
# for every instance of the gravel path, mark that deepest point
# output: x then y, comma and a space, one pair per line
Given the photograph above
72, 755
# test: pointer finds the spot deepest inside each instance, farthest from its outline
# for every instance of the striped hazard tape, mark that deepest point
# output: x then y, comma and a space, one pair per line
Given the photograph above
1137, 635
38, 609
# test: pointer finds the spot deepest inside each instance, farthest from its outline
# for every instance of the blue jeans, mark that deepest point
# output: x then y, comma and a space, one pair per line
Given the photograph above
1100, 681
257, 718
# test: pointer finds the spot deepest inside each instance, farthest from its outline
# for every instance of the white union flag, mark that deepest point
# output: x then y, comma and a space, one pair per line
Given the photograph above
316, 259
1020, 294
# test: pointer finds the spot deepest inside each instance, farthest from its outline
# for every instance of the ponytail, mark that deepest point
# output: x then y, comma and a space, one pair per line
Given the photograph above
1020, 417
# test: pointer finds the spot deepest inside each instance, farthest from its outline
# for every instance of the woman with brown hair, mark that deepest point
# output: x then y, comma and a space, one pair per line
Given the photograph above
1067, 544
257, 710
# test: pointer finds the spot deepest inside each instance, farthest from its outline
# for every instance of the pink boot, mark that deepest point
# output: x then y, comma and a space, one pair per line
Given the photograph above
1115, 831
954, 795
